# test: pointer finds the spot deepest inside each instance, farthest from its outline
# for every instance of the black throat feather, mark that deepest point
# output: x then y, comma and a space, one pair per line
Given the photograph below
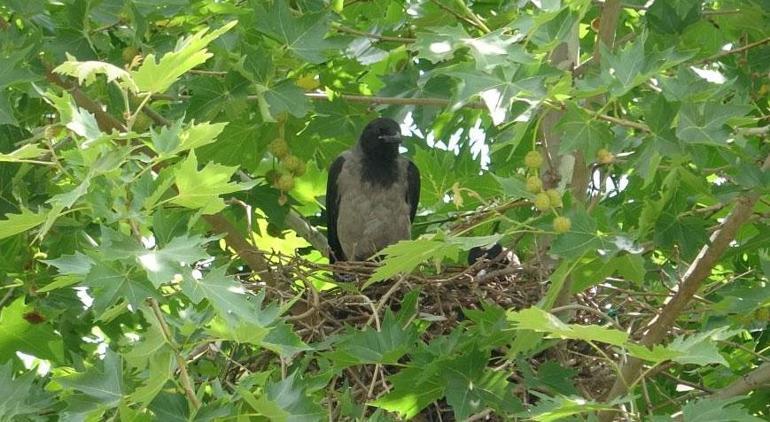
380, 165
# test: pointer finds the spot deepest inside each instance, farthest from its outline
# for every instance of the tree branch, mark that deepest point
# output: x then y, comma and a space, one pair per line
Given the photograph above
378, 37
106, 121
697, 272
754, 379
735, 50
608, 22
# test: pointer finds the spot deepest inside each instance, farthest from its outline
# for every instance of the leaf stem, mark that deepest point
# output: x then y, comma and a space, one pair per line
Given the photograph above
184, 376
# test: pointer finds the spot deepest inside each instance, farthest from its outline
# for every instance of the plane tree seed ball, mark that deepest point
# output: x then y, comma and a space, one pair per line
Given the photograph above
555, 197
533, 160
542, 202
285, 182
279, 148
534, 184
294, 164
604, 156
561, 224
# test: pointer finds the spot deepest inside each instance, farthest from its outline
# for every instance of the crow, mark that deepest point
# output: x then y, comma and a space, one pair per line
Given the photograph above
371, 194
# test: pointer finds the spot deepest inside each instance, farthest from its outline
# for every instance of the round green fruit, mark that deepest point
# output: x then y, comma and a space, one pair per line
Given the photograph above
561, 224
542, 201
534, 184
533, 160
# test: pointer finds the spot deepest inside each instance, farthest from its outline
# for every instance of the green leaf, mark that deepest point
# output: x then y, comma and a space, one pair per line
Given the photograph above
213, 97
77, 264
404, 256
102, 383
189, 52
290, 396
286, 98
471, 387
497, 90
582, 237
202, 189
6, 111
21, 398
17, 334
703, 123
111, 283
536, 319
370, 346
87, 71
19, 223
409, 396
552, 409
717, 410
582, 132
26, 152
304, 36
698, 349
154, 358
173, 260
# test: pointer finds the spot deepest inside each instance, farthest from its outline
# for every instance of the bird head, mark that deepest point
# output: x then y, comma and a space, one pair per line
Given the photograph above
381, 138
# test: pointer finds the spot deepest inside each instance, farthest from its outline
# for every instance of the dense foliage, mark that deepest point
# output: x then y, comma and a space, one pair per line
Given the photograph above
162, 172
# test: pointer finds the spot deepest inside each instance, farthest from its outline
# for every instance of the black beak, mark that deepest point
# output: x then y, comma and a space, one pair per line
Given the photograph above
391, 139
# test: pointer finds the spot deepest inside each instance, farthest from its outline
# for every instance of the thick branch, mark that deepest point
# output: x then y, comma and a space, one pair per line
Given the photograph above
698, 271
754, 379
251, 255
106, 121
608, 22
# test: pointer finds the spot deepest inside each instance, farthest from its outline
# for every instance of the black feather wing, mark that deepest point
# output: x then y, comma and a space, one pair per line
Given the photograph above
413, 189
332, 211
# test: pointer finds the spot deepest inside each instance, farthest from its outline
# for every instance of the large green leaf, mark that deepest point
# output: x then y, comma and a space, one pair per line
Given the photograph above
18, 223
304, 36
384, 346
21, 398
202, 189
157, 76
30, 337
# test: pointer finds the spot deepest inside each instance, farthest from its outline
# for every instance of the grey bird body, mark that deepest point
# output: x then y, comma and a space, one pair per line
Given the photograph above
374, 216
371, 196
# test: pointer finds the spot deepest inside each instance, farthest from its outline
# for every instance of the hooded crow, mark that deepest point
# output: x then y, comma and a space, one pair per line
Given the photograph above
371, 194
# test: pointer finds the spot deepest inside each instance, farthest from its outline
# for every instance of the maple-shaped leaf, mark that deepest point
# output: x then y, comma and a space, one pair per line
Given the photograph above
704, 123
153, 357
202, 189
489, 51
110, 283
710, 409
21, 397
87, 71
536, 319
304, 36
102, 383
18, 334
471, 387
582, 132
189, 52
169, 141
172, 260
17, 223
410, 392
26, 152
406, 255
369, 346
497, 89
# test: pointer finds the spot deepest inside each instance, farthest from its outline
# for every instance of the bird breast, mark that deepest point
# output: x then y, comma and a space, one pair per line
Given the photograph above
371, 216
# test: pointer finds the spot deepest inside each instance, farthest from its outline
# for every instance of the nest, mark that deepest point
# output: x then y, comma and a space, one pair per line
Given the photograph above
442, 297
